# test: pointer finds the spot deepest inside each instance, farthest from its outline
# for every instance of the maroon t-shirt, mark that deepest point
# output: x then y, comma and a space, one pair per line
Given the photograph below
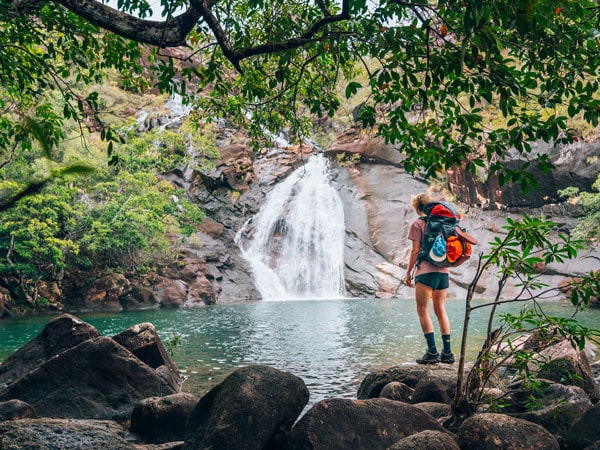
415, 233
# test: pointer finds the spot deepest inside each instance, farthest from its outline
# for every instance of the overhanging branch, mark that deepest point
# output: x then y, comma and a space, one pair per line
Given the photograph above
173, 31
169, 33
236, 56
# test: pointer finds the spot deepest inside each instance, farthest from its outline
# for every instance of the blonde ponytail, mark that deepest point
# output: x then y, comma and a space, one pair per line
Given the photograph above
420, 200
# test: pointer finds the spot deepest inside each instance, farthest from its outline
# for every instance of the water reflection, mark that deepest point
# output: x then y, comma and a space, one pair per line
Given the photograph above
330, 344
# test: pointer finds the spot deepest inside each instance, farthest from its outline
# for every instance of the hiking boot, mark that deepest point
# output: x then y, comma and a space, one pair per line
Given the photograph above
429, 358
448, 358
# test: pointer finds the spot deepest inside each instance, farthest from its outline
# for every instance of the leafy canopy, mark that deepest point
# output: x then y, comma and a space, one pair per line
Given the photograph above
432, 68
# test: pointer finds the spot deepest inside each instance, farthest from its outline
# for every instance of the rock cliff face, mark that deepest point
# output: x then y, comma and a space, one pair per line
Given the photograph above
376, 194
575, 165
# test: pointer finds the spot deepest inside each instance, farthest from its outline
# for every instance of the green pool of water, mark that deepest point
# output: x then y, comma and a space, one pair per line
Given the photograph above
330, 344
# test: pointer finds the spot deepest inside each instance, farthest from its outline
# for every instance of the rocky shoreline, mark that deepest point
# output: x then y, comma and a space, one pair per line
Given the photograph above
71, 388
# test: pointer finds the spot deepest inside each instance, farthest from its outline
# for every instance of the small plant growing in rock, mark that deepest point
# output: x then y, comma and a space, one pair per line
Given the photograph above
172, 343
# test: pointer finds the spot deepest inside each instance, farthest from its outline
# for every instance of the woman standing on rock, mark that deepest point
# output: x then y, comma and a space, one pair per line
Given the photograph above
430, 282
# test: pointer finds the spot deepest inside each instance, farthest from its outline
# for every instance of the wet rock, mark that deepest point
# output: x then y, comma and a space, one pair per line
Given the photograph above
564, 364
371, 424
566, 287
229, 278
59, 334
177, 445
396, 391
5, 303
16, 409
212, 228
554, 406
253, 407
162, 419
143, 341
140, 297
436, 386
102, 294
233, 169
97, 379
373, 383
441, 412
498, 431
357, 145
184, 283
59, 434
585, 431
171, 293
426, 440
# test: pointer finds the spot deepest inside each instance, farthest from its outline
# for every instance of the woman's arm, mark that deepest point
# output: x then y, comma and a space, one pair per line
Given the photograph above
412, 261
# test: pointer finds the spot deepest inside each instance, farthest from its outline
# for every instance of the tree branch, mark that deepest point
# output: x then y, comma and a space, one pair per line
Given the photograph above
169, 33
173, 31
300, 40
235, 57
204, 8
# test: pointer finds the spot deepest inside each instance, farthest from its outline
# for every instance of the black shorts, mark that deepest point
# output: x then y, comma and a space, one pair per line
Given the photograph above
435, 280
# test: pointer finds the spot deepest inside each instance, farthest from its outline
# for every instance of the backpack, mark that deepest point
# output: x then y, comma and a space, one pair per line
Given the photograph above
445, 243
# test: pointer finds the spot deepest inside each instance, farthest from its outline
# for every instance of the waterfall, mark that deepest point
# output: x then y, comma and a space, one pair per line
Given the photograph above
295, 244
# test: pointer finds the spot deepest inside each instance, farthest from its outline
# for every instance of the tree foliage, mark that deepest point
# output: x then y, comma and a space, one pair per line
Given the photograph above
528, 245
120, 219
589, 225
432, 68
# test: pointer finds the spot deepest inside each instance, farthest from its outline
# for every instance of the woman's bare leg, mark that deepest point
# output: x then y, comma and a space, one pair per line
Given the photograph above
439, 308
422, 295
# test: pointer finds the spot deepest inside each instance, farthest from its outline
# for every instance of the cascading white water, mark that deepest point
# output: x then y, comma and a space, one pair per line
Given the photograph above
295, 244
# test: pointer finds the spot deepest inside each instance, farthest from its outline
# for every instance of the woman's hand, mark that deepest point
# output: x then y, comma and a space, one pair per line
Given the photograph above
408, 279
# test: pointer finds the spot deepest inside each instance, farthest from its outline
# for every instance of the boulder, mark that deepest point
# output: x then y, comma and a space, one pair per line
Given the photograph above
426, 440
162, 419
556, 407
59, 434
5, 303
143, 341
435, 386
171, 293
139, 297
359, 145
16, 409
191, 274
97, 379
253, 407
396, 391
441, 412
372, 424
59, 334
564, 364
233, 168
585, 431
374, 382
489, 431
102, 294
